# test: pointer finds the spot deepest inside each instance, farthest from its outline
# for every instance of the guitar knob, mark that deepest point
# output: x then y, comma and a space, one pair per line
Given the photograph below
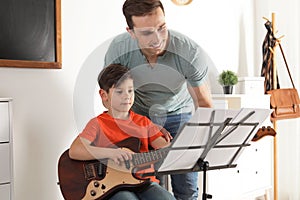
96, 184
93, 193
103, 187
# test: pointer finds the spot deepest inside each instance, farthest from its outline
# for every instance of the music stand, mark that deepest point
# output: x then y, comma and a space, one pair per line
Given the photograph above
211, 139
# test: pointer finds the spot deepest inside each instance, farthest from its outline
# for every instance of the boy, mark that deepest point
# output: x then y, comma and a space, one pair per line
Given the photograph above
101, 135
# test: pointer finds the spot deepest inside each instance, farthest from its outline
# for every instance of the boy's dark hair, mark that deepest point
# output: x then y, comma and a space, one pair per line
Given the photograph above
112, 76
139, 8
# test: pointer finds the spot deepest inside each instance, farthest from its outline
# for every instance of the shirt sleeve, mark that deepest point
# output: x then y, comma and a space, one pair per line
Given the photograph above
118, 50
198, 70
154, 132
91, 130
111, 55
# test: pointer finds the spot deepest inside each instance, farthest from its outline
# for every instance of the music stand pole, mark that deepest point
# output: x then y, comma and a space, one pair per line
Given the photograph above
204, 168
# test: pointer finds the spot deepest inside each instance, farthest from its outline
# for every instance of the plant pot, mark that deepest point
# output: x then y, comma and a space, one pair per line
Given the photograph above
227, 89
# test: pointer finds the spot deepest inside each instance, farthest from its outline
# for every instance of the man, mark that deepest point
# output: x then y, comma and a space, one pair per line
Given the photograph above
169, 71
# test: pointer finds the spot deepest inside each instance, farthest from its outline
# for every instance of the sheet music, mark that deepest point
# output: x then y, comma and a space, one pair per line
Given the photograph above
180, 160
193, 135
195, 139
241, 132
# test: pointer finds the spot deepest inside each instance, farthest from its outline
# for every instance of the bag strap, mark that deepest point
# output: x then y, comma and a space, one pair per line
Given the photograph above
286, 64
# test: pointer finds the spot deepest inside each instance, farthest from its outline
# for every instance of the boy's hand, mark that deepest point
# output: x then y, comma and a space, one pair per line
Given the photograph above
120, 155
168, 137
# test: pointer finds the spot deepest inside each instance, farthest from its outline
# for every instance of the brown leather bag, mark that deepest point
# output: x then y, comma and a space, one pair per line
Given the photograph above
285, 102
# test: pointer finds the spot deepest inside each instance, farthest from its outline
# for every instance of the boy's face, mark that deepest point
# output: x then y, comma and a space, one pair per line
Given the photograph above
151, 32
120, 99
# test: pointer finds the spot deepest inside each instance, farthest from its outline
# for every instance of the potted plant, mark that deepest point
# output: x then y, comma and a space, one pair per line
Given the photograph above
228, 79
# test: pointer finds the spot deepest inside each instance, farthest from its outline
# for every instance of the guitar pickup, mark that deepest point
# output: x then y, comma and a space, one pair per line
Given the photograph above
93, 170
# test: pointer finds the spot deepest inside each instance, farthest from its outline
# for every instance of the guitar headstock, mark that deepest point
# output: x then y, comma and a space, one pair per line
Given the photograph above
264, 131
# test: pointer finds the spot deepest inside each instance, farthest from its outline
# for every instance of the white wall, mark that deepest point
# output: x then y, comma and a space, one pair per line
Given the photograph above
45, 105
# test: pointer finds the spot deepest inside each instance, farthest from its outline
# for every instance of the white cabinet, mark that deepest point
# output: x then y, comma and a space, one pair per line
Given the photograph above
253, 175
237, 101
6, 154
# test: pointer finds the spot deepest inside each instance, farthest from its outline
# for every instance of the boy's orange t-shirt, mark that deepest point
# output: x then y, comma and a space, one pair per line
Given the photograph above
106, 131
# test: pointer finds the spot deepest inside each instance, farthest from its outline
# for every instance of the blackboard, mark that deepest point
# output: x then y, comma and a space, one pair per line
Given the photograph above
30, 33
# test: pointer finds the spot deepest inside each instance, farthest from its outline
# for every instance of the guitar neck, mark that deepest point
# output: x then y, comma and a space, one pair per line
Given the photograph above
149, 157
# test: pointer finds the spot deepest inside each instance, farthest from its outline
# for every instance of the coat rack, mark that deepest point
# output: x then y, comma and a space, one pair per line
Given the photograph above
274, 122
274, 86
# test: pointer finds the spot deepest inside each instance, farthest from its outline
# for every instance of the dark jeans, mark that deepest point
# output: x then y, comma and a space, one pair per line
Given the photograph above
154, 191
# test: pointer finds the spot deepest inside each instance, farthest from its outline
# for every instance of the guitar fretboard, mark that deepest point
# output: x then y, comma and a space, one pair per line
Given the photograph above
152, 156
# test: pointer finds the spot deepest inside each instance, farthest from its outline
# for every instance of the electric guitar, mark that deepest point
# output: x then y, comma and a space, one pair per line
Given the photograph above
100, 179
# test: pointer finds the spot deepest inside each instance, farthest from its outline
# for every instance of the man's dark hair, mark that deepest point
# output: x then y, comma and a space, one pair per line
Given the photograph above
112, 76
139, 8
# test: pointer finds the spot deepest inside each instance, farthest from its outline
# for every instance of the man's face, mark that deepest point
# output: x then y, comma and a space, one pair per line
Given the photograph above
151, 32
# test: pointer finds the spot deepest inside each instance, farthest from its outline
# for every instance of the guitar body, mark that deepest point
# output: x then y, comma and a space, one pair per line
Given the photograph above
93, 179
